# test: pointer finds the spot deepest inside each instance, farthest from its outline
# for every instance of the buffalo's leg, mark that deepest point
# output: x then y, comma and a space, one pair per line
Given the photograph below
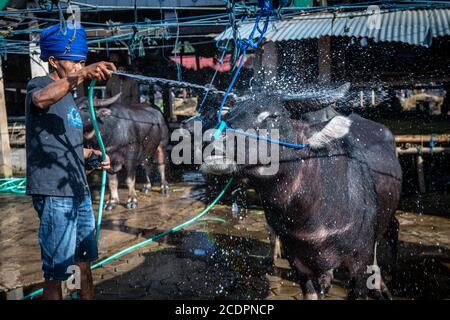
386, 294
275, 245
315, 288
392, 240
308, 289
357, 267
391, 237
305, 278
148, 172
113, 183
383, 292
132, 202
160, 156
164, 183
387, 269
324, 282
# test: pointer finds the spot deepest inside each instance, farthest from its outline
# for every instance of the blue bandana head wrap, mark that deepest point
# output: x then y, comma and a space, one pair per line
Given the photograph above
71, 46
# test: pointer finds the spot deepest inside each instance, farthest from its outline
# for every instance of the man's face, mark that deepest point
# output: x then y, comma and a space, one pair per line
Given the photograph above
64, 67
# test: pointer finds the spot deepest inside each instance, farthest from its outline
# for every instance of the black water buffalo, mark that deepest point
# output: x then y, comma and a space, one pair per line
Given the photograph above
329, 203
132, 135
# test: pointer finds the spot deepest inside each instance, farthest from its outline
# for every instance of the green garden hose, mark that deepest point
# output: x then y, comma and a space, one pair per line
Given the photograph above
103, 150
14, 185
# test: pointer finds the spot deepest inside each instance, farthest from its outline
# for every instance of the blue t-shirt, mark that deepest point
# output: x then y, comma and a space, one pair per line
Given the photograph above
54, 145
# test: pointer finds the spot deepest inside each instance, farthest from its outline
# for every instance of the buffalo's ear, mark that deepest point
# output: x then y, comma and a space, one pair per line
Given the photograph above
103, 112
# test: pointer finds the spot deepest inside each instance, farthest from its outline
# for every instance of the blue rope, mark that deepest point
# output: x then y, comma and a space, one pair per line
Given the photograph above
224, 126
178, 64
265, 11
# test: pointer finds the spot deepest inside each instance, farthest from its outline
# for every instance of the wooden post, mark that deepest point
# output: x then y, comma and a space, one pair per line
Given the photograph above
181, 56
167, 103
270, 62
151, 94
301, 63
197, 60
324, 53
5, 149
258, 68
38, 67
420, 174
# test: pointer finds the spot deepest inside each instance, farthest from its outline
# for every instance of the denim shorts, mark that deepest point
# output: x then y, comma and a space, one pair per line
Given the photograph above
66, 233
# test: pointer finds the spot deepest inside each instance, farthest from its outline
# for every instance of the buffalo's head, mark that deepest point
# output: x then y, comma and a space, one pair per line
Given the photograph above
237, 151
262, 121
101, 110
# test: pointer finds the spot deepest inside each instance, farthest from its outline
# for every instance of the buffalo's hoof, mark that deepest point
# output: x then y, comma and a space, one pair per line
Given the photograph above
146, 190
377, 295
387, 295
164, 189
324, 292
131, 205
381, 295
110, 206
311, 296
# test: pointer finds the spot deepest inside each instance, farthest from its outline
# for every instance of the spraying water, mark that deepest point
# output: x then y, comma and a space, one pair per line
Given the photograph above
167, 82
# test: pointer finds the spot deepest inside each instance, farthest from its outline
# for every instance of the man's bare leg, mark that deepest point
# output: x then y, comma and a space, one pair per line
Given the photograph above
52, 290
87, 291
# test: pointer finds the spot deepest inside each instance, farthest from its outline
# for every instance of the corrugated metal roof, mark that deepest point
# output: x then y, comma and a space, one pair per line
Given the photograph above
415, 27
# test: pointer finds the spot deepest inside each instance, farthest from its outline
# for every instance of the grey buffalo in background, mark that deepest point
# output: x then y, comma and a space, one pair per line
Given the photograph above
132, 135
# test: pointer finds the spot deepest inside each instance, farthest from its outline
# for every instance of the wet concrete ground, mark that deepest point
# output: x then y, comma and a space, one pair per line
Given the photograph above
211, 259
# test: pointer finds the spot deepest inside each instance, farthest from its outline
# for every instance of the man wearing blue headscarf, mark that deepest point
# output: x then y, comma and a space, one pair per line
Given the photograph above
56, 177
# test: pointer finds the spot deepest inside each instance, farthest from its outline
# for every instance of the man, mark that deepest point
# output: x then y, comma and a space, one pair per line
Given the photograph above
56, 177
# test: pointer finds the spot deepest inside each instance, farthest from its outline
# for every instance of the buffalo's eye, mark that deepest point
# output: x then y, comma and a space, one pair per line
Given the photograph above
274, 115
262, 116
266, 115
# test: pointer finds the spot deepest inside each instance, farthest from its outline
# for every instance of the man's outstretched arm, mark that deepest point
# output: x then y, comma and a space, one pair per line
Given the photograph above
55, 91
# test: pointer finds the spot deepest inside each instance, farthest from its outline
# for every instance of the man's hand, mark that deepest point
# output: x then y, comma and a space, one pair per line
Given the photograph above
103, 165
99, 71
